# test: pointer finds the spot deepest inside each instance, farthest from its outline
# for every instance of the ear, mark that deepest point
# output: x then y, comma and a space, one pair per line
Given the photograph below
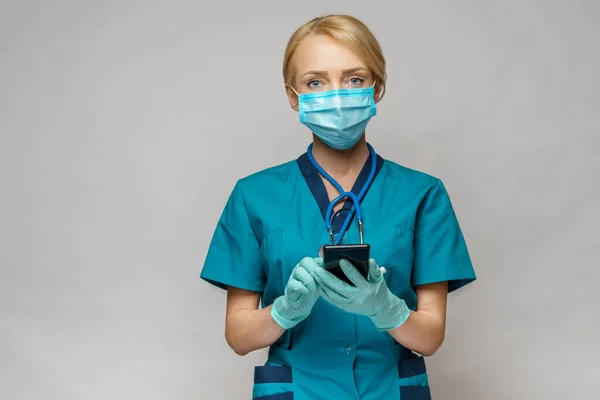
292, 98
378, 92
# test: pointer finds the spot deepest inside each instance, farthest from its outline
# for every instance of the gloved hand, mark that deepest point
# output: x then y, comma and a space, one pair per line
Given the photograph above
369, 297
300, 295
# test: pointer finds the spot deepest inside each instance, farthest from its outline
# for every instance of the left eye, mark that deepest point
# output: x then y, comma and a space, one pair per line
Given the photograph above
356, 81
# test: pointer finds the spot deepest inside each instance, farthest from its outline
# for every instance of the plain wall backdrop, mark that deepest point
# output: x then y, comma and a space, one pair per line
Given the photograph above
124, 126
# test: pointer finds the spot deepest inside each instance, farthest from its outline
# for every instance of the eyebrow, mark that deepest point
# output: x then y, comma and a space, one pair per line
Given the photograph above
351, 70
344, 72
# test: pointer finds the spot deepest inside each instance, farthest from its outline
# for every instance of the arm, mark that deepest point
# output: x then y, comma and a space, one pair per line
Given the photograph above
424, 330
248, 328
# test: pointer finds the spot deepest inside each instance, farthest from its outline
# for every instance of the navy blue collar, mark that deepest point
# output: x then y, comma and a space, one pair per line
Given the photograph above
319, 192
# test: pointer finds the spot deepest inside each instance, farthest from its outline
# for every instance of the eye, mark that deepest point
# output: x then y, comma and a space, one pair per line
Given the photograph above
314, 84
356, 81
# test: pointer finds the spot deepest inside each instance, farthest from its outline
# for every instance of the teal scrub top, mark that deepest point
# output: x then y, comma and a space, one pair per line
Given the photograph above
275, 217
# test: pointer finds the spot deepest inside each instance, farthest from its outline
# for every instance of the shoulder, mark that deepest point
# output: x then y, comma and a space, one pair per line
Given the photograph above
265, 193
409, 177
268, 176
264, 185
427, 193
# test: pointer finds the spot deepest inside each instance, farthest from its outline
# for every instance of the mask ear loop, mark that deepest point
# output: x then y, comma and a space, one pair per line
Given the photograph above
379, 94
375, 100
297, 95
293, 90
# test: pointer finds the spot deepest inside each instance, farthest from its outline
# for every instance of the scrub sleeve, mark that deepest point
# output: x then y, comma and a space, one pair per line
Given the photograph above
233, 257
440, 250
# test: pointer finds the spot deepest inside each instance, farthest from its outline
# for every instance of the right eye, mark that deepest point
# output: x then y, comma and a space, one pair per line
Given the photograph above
314, 84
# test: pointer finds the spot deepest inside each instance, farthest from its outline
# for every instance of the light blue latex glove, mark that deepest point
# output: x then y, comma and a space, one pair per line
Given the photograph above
301, 294
369, 297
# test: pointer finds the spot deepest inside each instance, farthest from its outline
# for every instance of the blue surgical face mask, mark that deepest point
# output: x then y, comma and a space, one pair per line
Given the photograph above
338, 117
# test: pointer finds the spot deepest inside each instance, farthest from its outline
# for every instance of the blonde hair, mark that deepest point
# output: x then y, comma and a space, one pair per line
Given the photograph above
347, 30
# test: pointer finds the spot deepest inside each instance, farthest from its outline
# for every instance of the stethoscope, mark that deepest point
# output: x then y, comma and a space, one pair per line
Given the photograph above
343, 195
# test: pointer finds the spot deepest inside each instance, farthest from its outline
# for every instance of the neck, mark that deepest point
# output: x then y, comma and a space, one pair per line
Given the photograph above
341, 163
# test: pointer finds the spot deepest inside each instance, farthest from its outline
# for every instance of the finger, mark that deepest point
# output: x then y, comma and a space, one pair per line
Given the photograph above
309, 264
327, 280
332, 296
307, 279
297, 286
352, 273
375, 273
383, 270
302, 266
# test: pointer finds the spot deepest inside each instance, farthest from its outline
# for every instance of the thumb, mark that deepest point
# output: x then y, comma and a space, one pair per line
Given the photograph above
352, 273
375, 273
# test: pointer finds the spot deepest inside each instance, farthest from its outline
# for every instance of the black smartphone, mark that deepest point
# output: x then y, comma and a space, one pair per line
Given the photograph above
357, 254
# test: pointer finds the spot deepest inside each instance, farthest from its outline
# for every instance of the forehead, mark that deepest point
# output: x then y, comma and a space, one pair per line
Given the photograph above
324, 53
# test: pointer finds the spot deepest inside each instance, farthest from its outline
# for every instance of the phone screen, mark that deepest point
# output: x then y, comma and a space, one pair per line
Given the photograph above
357, 254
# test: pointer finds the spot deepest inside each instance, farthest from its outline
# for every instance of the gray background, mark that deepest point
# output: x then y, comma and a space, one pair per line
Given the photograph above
123, 128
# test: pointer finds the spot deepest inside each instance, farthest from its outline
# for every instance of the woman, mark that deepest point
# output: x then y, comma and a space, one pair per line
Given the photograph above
348, 336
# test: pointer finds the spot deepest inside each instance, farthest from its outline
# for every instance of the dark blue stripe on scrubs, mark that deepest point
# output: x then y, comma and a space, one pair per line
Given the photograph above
319, 192
411, 367
415, 392
279, 396
272, 374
